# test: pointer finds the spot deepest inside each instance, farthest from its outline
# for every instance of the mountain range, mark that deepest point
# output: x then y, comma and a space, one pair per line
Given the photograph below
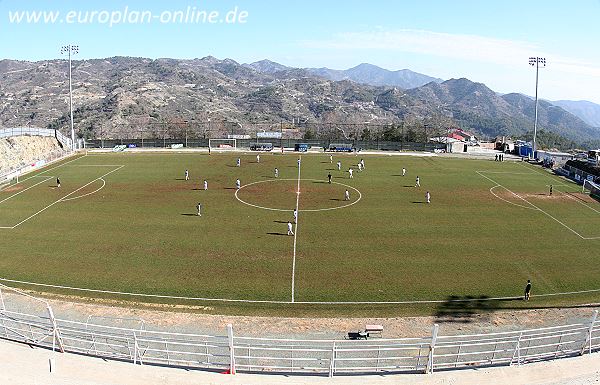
589, 112
126, 96
363, 73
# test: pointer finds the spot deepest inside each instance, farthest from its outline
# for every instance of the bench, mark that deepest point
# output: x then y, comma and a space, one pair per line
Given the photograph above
374, 330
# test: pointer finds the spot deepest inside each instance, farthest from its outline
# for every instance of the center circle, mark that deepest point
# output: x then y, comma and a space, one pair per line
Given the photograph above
281, 195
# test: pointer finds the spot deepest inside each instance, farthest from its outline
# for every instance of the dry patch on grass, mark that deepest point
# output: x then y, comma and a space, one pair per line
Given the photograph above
13, 188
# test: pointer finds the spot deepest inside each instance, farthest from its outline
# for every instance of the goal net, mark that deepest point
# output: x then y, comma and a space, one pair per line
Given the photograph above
9, 179
222, 144
591, 187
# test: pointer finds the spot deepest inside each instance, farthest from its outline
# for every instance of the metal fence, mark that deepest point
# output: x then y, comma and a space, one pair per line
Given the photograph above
287, 143
20, 168
228, 352
34, 131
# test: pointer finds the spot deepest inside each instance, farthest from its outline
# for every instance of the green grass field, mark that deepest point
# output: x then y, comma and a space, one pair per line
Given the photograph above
127, 222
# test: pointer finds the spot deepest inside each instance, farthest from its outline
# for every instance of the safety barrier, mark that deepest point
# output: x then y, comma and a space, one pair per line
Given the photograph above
34, 131
233, 353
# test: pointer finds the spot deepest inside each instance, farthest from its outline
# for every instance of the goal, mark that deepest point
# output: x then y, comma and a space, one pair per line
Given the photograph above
222, 144
593, 188
9, 179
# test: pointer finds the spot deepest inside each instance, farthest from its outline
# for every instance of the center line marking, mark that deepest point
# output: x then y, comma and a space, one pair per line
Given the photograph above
296, 228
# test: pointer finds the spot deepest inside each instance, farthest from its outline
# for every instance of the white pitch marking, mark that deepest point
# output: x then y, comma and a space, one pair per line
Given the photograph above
90, 193
61, 199
510, 191
53, 168
504, 172
562, 192
303, 210
525, 200
296, 228
22, 191
288, 302
578, 201
507, 201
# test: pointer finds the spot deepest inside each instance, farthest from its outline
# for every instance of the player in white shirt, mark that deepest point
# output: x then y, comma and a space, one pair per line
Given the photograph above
351, 171
290, 232
187, 175
362, 162
339, 164
330, 158
403, 171
237, 184
239, 162
418, 184
257, 158
428, 197
347, 195
205, 185
295, 216
298, 162
359, 166
276, 172
199, 208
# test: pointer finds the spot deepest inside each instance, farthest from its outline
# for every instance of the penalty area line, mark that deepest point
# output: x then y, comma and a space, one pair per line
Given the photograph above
47, 178
536, 207
64, 198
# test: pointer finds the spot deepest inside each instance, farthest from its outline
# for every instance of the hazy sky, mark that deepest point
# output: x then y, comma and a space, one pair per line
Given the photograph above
486, 41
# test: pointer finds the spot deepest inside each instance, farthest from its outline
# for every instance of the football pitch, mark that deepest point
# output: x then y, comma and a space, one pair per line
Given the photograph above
128, 223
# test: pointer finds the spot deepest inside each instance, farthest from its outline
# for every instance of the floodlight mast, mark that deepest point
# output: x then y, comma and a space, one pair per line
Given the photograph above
71, 50
536, 62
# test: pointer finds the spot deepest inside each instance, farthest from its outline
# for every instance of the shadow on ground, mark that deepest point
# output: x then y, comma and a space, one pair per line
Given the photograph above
463, 309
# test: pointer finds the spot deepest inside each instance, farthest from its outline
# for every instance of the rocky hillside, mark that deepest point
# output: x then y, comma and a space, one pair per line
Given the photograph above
19, 151
123, 96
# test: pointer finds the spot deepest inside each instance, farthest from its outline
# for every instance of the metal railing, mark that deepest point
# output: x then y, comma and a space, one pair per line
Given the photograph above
20, 168
34, 131
166, 142
302, 356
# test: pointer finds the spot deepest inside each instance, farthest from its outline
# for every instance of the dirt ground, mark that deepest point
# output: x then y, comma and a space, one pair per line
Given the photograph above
186, 319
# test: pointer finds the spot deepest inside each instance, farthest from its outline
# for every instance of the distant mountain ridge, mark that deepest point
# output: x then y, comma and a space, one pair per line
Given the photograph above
123, 96
589, 112
363, 73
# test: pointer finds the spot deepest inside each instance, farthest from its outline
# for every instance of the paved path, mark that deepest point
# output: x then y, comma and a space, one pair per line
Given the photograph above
23, 365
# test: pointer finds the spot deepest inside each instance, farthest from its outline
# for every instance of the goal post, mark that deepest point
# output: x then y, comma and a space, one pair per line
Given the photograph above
9, 179
591, 187
222, 144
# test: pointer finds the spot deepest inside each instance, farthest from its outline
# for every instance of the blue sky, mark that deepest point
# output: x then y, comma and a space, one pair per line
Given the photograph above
485, 41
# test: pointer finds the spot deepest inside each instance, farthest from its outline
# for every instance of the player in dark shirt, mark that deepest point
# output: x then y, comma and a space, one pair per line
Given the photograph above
527, 290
